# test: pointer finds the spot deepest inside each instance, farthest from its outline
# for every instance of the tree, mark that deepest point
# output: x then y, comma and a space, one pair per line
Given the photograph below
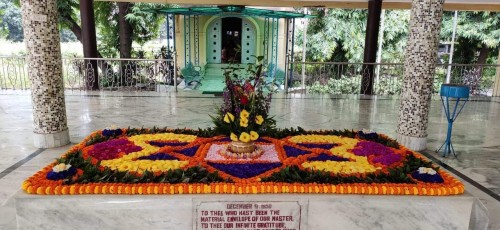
121, 23
68, 17
125, 29
339, 35
477, 32
11, 21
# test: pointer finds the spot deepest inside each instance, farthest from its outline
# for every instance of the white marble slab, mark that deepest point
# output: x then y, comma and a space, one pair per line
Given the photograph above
318, 211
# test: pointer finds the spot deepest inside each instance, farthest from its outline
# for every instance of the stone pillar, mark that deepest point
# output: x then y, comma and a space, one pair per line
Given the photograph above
496, 86
41, 37
371, 41
419, 68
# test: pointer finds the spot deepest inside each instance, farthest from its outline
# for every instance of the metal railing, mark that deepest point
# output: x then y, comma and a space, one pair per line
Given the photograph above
80, 73
319, 77
346, 78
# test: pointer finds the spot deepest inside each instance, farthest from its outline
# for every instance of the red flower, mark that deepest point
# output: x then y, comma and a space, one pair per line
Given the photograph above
248, 87
244, 100
238, 89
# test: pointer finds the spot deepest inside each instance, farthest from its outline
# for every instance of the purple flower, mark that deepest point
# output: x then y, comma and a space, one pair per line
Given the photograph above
189, 151
245, 170
436, 178
112, 132
61, 175
367, 135
387, 159
319, 146
294, 152
164, 143
325, 157
158, 156
382, 154
366, 148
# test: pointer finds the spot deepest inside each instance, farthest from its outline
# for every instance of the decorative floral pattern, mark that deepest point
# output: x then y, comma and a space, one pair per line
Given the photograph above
168, 157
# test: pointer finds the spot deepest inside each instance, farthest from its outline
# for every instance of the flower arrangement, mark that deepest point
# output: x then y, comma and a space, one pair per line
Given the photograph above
245, 110
183, 161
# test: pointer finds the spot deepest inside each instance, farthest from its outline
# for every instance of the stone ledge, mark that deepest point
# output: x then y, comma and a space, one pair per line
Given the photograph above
413, 143
318, 211
51, 140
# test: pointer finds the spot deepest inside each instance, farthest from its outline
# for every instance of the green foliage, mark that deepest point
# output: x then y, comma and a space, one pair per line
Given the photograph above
336, 35
294, 174
145, 25
96, 139
344, 85
339, 35
386, 85
68, 12
396, 25
479, 27
11, 21
476, 31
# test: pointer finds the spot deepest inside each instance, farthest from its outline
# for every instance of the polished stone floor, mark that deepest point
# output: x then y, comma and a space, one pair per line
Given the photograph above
475, 133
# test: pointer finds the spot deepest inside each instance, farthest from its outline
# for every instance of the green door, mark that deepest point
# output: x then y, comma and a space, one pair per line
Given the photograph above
214, 42
248, 41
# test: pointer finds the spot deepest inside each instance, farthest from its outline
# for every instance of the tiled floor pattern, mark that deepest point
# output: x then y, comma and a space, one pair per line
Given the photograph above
475, 132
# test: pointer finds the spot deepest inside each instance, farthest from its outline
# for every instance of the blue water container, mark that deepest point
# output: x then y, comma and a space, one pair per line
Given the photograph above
453, 97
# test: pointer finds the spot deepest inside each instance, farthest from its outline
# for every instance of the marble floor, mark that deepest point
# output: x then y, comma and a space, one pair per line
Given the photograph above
475, 133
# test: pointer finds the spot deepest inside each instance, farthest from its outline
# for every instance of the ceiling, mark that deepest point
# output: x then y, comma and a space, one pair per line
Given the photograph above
487, 5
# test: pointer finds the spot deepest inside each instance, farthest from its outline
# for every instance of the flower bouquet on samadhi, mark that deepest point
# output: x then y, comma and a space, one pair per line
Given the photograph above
245, 111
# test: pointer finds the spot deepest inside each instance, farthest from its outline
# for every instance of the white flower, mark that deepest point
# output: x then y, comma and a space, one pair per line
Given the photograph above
112, 127
425, 170
367, 131
61, 167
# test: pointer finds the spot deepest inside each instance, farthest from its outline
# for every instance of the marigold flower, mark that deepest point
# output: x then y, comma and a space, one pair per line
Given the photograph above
254, 135
245, 137
259, 119
228, 117
234, 137
243, 122
244, 114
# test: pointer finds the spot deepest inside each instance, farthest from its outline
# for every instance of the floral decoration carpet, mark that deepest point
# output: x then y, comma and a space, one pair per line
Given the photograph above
162, 161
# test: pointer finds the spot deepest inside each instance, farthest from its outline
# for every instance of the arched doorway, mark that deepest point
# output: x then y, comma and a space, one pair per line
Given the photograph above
225, 34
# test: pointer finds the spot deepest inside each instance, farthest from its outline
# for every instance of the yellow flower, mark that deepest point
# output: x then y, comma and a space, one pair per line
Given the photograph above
254, 135
124, 167
234, 137
243, 122
245, 137
228, 117
259, 119
244, 114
